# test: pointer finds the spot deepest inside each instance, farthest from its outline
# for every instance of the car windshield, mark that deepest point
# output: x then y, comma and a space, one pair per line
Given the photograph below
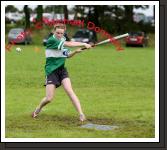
16, 31
82, 34
135, 34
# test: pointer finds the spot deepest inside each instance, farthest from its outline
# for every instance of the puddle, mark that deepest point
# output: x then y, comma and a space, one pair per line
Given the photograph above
98, 127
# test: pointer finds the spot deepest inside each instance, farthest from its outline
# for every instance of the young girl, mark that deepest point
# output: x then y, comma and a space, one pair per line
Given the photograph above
56, 73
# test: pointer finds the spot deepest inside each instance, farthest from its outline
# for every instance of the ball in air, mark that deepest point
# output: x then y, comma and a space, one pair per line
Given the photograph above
18, 49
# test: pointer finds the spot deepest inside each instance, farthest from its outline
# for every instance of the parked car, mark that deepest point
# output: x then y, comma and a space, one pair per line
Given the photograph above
137, 38
14, 17
85, 35
19, 35
50, 34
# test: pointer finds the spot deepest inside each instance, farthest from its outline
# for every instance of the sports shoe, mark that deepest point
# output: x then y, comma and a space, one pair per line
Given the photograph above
82, 117
35, 113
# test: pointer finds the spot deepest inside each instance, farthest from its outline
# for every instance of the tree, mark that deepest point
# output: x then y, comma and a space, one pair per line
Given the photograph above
128, 13
49, 9
10, 8
79, 12
96, 14
128, 23
154, 12
39, 13
27, 17
117, 13
65, 12
30, 10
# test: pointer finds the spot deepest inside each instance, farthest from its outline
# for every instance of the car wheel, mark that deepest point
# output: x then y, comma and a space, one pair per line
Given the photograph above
25, 42
144, 45
127, 45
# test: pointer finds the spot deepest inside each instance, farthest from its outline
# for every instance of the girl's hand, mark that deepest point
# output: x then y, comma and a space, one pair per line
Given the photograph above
87, 45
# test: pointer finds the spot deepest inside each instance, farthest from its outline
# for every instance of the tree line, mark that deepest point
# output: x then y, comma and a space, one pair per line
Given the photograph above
112, 18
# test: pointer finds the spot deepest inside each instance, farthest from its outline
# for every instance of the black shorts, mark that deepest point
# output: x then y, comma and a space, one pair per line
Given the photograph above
57, 76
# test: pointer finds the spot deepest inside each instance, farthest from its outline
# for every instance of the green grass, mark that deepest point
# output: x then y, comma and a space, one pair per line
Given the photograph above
115, 88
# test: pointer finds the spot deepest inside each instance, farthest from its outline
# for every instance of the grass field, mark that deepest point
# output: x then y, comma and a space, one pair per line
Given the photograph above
115, 88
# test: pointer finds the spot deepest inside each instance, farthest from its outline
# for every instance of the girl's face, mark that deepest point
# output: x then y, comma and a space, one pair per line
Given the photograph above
59, 33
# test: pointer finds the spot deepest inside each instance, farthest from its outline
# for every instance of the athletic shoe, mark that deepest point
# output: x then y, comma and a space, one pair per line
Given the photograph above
36, 112
82, 117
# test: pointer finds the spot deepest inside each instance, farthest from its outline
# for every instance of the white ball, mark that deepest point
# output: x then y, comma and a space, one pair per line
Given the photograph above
18, 49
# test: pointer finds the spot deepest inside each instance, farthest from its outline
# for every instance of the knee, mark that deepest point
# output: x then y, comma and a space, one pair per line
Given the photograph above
69, 90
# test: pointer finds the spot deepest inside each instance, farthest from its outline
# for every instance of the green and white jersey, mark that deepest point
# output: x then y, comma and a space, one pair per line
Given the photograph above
55, 54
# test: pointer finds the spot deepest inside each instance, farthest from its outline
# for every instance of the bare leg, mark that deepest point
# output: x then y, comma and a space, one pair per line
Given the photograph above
68, 88
49, 97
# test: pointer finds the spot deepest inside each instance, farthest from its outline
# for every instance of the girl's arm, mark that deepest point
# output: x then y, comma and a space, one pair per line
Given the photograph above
73, 44
74, 52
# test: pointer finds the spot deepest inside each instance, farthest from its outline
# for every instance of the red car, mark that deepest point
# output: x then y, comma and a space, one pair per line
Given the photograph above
137, 39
